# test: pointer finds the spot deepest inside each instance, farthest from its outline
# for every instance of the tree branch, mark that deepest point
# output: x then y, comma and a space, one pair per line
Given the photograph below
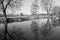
2, 2
7, 4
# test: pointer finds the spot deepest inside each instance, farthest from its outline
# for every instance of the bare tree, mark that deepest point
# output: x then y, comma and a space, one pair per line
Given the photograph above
4, 5
47, 5
34, 25
34, 7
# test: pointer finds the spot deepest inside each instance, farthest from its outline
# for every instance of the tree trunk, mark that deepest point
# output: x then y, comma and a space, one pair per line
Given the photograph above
5, 23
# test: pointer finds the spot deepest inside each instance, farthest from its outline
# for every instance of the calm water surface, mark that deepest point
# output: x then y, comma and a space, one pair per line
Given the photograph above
27, 28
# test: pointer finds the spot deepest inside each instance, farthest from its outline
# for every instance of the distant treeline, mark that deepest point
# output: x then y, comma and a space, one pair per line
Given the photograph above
9, 15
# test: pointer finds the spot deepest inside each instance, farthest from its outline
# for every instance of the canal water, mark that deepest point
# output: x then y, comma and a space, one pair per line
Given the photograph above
26, 27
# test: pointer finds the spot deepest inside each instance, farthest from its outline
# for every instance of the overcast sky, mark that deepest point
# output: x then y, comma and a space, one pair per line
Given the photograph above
26, 8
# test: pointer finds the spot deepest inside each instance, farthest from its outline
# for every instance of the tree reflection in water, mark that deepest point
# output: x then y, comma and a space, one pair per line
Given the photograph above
16, 33
35, 28
46, 30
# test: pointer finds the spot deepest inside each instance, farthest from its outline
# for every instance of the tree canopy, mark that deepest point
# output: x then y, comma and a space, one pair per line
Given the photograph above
13, 4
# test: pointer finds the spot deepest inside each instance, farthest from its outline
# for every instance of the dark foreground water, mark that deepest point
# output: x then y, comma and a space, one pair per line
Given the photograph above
26, 27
